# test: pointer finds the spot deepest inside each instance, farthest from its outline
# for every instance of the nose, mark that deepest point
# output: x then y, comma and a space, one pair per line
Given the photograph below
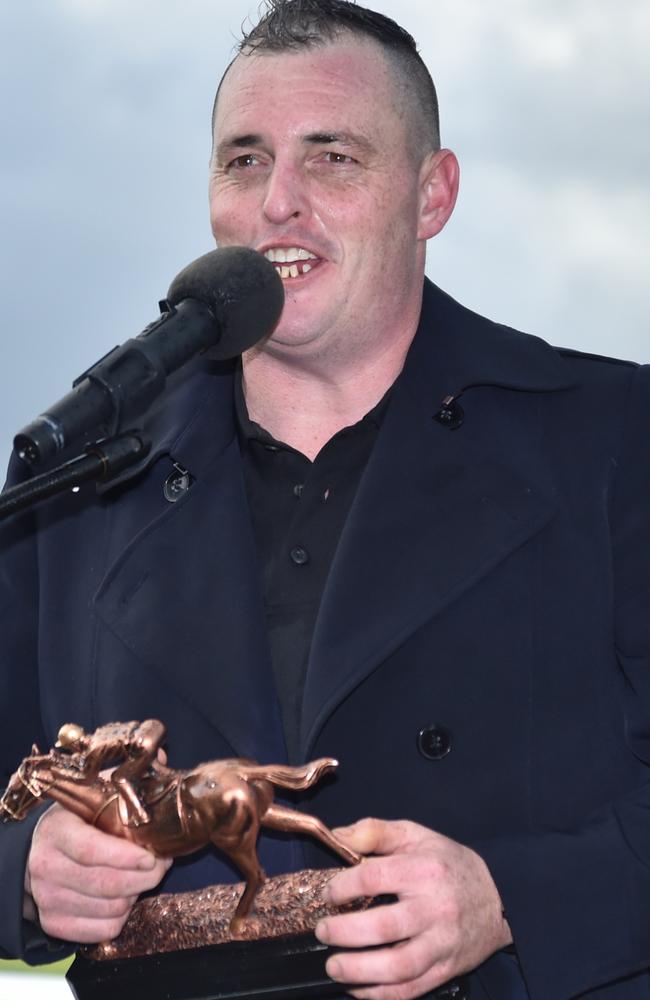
286, 195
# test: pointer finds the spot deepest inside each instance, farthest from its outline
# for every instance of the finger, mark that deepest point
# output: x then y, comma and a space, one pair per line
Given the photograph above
61, 902
396, 874
56, 870
82, 930
87, 846
397, 965
402, 991
369, 928
362, 836
377, 836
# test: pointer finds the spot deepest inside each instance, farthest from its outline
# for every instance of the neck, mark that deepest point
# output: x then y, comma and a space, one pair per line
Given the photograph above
305, 403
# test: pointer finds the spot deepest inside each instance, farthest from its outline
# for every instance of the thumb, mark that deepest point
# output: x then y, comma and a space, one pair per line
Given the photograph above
373, 836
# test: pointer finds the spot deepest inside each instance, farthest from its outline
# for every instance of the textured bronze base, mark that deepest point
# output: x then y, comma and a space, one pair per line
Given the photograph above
179, 947
285, 905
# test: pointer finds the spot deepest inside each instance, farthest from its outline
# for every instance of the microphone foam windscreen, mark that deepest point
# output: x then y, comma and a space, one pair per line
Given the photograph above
242, 289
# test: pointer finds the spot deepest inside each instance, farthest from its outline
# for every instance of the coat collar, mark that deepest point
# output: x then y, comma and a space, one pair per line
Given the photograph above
461, 348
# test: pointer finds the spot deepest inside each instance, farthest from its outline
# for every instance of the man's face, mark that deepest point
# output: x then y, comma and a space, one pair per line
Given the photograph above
312, 168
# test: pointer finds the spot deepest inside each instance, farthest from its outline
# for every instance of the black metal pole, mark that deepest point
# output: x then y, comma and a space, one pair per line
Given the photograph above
100, 461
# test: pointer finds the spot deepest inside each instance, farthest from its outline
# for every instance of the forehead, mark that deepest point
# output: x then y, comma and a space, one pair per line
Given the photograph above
343, 84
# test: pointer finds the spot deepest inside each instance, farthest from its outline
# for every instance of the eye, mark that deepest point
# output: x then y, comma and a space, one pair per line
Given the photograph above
340, 159
243, 161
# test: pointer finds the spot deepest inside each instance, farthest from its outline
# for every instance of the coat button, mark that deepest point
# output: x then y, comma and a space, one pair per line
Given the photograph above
451, 414
434, 741
176, 484
299, 556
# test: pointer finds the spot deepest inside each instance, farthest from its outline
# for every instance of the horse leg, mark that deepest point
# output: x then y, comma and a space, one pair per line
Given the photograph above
236, 834
282, 818
246, 860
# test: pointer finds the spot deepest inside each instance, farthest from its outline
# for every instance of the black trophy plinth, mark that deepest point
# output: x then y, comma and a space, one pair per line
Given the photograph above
288, 967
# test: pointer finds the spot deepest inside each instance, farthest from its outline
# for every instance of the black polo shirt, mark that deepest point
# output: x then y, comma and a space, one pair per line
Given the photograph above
298, 509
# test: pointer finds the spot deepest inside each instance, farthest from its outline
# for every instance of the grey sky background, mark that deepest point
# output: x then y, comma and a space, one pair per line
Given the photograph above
104, 132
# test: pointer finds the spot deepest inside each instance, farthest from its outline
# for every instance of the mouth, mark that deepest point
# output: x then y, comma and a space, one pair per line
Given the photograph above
292, 262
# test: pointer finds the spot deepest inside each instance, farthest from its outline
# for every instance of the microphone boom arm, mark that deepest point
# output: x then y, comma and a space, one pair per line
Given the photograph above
101, 461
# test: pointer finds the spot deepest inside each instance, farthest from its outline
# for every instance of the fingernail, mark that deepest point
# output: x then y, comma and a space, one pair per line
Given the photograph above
320, 931
333, 969
147, 863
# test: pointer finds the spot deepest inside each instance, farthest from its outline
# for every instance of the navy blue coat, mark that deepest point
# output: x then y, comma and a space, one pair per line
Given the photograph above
493, 579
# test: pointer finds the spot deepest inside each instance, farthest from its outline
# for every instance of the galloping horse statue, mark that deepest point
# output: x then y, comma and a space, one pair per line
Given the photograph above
223, 802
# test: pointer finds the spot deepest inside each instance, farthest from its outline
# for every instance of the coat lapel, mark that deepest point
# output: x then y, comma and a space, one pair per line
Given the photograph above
437, 509
183, 594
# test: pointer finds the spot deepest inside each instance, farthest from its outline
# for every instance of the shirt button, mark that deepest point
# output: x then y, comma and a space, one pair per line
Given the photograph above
434, 742
298, 488
299, 556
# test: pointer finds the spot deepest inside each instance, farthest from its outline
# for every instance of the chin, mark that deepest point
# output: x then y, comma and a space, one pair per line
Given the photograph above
288, 341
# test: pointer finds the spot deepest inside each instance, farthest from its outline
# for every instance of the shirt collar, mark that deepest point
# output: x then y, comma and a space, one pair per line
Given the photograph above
248, 430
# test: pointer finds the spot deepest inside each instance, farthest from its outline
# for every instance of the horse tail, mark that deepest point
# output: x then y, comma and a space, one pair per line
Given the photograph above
285, 776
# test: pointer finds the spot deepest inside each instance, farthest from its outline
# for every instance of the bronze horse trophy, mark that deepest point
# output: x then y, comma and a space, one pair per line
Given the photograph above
223, 802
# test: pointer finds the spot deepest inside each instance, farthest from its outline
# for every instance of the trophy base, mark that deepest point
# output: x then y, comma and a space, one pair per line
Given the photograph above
288, 967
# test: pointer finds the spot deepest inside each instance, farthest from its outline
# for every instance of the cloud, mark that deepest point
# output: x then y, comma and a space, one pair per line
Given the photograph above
106, 140
543, 82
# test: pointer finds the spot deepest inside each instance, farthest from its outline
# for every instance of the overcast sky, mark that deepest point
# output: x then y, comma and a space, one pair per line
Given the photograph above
104, 125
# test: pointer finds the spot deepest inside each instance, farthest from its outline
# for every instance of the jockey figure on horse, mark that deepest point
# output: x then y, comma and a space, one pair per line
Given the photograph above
135, 743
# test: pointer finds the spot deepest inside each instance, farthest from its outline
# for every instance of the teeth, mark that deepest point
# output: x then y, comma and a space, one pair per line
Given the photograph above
288, 255
287, 270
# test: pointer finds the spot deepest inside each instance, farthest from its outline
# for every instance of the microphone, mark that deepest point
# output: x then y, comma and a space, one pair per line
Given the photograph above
224, 301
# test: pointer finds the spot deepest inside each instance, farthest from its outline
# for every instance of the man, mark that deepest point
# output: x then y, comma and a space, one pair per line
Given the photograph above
413, 539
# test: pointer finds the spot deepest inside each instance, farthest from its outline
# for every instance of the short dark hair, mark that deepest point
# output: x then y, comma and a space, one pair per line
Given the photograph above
291, 25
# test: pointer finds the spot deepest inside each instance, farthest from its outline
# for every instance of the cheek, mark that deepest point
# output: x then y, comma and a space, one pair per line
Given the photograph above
227, 224
229, 214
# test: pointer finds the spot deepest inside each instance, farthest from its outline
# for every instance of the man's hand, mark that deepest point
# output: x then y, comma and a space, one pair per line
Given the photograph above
446, 921
82, 881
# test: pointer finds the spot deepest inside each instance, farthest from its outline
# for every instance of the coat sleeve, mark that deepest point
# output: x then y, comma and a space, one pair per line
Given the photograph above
578, 902
21, 726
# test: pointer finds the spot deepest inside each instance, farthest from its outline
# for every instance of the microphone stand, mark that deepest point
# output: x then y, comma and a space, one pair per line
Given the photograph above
101, 461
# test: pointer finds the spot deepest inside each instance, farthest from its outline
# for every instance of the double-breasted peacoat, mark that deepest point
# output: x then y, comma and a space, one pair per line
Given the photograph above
480, 662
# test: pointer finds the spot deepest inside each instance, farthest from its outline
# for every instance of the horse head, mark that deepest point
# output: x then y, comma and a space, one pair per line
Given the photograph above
27, 786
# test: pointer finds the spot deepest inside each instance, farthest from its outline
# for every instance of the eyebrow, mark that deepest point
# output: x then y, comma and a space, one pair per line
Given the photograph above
238, 142
344, 138
312, 138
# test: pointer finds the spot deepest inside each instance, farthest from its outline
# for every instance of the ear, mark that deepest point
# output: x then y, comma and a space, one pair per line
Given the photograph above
439, 178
